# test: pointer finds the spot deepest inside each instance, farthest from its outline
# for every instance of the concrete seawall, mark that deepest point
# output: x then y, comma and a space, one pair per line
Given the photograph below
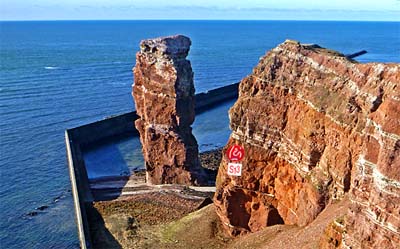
111, 128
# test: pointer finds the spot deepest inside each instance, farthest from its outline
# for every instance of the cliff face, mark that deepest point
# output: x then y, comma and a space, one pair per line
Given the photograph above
315, 126
164, 98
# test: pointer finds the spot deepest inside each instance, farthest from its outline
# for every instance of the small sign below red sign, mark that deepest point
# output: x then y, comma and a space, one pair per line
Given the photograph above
235, 153
234, 169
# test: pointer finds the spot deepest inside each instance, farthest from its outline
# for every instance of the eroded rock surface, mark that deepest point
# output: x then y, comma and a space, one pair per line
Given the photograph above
164, 98
316, 126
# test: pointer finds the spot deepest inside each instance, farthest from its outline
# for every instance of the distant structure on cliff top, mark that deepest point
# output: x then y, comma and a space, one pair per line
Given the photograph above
164, 98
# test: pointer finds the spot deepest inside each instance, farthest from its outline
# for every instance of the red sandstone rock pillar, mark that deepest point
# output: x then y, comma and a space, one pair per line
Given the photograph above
164, 98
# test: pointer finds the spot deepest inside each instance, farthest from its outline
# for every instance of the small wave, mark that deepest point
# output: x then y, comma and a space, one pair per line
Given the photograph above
51, 68
119, 83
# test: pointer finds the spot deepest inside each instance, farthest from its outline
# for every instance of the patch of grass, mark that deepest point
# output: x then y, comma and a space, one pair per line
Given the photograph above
169, 231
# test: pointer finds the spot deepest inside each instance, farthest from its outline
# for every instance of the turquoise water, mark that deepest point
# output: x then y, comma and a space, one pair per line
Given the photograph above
56, 75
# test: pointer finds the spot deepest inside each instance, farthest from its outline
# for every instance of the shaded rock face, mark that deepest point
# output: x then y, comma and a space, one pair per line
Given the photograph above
164, 98
315, 126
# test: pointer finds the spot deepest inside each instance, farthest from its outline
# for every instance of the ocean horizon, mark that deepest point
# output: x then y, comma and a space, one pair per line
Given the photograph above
200, 20
55, 75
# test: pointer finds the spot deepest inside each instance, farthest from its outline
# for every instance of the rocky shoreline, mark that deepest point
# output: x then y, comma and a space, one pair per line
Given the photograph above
210, 160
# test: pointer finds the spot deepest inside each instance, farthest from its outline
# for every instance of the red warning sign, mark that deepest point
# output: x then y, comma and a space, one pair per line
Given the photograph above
235, 153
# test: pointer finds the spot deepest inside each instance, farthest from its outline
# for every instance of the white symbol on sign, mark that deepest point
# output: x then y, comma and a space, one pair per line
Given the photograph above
236, 153
234, 169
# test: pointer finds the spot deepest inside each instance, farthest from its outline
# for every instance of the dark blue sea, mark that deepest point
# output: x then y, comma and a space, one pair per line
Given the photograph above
62, 74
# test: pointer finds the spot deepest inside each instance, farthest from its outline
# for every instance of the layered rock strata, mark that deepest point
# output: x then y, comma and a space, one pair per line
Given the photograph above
163, 91
315, 126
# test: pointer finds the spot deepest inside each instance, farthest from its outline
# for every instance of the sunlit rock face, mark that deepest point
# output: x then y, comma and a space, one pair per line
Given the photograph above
164, 96
315, 126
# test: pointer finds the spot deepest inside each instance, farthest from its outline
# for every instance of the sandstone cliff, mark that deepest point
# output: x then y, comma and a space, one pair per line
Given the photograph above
316, 126
164, 98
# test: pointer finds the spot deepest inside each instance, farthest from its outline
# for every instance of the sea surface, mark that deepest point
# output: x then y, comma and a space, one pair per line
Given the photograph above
62, 74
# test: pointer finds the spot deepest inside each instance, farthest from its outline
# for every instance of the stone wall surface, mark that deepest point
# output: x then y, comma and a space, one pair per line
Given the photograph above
164, 97
316, 126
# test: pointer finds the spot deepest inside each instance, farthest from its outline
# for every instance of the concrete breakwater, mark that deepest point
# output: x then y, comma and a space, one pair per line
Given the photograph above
108, 129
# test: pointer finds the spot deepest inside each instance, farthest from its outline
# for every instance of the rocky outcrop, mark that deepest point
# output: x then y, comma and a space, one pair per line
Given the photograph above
164, 98
316, 126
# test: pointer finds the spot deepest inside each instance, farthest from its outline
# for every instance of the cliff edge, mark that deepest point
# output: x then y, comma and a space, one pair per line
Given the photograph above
316, 127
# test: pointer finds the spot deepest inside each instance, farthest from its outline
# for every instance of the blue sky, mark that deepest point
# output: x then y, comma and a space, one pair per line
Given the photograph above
375, 10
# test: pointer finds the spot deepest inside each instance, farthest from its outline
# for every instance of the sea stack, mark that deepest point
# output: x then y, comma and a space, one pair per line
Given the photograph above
317, 127
163, 91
